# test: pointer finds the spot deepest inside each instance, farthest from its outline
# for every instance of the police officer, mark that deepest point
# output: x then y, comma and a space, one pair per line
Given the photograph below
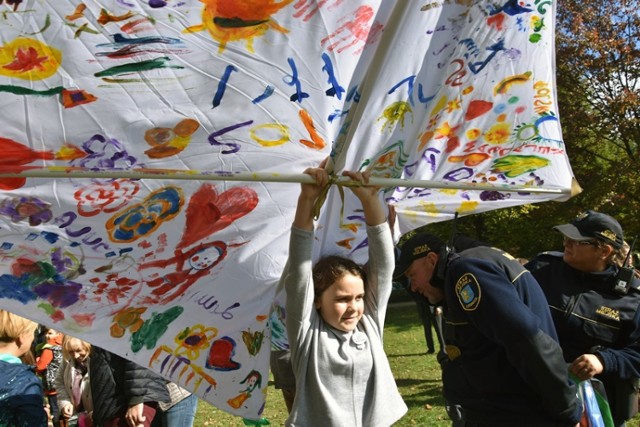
504, 366
595, 307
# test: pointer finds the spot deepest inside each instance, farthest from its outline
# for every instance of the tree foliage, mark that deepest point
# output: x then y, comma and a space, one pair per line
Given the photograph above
598, 80
598, 84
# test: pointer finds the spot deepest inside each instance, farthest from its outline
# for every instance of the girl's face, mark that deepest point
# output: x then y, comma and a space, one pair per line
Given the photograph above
51, 334
77, 351
252, 382
204, 258
342, 304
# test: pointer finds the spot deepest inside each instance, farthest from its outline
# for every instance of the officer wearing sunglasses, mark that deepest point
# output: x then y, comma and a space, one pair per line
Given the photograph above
595, 307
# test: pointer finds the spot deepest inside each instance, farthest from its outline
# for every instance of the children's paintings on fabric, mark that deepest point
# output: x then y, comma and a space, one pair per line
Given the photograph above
179, 275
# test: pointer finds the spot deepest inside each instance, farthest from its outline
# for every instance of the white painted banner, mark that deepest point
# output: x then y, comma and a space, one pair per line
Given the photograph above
179, 275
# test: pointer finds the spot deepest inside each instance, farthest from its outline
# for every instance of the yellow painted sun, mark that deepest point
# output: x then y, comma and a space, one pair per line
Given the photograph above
231, 20
29, 59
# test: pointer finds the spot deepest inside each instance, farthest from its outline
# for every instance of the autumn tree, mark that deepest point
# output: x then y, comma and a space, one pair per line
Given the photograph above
598, 83
598, 80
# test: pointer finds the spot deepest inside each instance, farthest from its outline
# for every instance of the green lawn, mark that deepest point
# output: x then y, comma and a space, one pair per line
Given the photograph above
417, 375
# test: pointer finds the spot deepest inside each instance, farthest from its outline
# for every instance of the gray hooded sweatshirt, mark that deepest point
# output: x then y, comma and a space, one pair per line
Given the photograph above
342, 378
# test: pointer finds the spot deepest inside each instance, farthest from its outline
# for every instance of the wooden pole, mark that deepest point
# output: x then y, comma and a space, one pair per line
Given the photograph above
177, 174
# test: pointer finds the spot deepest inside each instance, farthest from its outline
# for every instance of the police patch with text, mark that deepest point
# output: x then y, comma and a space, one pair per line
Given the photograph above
468, 292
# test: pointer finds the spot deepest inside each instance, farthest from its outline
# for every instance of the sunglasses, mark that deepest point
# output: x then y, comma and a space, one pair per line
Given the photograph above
568, 241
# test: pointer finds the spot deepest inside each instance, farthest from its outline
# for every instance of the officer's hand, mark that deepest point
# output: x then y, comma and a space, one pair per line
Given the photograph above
586, 366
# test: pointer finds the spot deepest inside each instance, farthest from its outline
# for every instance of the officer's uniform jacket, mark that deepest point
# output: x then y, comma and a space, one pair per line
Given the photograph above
505, 365
591, 318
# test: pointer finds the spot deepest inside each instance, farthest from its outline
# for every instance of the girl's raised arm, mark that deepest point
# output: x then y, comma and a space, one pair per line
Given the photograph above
374, 213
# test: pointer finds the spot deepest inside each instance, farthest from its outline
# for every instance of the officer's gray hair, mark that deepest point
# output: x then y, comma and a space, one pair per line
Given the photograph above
619, 256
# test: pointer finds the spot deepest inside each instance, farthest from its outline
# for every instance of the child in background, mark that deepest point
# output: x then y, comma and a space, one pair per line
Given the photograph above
72, 383
335, 320
21, 398
47, 364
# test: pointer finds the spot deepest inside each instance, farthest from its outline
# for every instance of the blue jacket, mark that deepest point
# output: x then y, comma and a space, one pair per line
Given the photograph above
591, 318
21, 398
506, 366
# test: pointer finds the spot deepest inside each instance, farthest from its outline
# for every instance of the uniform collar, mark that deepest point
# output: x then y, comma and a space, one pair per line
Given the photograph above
600, 281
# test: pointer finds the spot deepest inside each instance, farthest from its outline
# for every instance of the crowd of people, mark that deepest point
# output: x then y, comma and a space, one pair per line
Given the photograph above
518, 338
53, 382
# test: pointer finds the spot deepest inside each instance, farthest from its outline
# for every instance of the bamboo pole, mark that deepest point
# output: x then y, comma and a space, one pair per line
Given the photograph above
275, 177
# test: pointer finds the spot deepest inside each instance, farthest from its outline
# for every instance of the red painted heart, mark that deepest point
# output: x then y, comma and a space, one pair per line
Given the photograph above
209, 211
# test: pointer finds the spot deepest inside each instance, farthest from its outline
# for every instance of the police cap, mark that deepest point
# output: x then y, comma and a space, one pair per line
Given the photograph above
593, 225
413, 245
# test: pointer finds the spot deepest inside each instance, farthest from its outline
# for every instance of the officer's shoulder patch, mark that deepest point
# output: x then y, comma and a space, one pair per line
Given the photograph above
468, 292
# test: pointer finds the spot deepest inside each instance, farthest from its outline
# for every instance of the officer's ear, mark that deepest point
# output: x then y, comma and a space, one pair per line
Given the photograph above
443, 256
432, 258
606, 250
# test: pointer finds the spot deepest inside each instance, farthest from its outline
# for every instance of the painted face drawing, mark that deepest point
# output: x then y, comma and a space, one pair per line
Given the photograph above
205, 258
190, 266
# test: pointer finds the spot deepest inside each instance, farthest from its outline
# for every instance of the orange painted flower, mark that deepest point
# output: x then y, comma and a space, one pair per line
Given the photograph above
453, 105
129, 318
498, 134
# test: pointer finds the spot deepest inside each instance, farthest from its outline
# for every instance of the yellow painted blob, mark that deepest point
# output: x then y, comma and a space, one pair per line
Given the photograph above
29, 59
230, 20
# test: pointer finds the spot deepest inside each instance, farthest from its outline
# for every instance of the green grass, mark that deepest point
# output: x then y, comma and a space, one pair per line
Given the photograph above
417, 375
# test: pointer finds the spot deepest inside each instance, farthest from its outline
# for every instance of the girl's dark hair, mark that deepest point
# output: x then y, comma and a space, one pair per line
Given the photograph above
333, 267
